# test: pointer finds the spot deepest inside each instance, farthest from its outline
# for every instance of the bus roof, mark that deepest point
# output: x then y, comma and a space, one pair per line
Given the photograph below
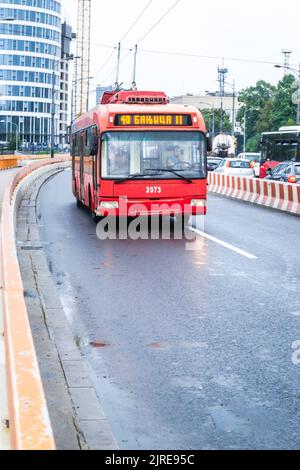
282, 133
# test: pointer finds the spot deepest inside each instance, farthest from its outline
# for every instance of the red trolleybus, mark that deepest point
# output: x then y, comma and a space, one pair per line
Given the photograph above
136, 154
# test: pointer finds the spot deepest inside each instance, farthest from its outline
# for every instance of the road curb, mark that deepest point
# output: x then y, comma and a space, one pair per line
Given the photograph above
76, 413
29, 423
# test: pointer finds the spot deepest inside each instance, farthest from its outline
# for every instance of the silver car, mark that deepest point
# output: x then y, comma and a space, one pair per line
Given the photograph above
254, 159
235, 167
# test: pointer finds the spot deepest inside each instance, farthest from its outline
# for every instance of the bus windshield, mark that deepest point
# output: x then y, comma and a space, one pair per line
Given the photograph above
153, 155
280, 147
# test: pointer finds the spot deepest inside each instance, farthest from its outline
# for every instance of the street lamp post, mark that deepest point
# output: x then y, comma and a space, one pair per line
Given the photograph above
17, 131
52, 112
297, 73
245, 129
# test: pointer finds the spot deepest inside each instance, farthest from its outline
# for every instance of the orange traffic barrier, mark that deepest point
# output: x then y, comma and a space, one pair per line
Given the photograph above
30, 428
8, 162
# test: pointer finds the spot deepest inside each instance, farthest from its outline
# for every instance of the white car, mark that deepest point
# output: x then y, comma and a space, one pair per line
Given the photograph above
235, 167
254, 159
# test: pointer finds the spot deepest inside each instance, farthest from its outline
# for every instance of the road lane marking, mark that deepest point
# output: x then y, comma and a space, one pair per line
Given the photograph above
224, 244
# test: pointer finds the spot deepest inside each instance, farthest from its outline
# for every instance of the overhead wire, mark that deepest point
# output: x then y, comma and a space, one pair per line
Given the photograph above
145, 35
124, 36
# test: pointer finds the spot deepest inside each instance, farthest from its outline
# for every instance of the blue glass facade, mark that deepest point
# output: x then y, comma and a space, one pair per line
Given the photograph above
30, 70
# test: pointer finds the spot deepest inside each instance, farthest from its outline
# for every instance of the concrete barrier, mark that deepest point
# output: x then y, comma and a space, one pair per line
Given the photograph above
29, 423
276, 195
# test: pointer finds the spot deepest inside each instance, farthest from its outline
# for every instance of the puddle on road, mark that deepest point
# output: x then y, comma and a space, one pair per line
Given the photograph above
226, 421
296, 314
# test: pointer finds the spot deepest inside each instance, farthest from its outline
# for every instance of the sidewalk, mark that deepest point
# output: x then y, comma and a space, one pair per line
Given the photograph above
4, 435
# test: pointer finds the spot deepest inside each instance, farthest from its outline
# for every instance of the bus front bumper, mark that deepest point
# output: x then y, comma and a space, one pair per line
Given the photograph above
163, 207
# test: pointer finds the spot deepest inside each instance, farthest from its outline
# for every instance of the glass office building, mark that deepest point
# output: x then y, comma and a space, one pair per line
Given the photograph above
30, 71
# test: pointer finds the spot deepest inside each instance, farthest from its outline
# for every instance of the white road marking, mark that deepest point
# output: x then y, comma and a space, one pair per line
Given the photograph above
224, 244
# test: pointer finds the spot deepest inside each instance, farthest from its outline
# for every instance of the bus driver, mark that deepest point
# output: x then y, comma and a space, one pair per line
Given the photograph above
174, 162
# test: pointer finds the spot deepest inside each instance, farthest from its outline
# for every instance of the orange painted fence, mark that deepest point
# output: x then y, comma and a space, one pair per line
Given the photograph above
30, 428
273, 194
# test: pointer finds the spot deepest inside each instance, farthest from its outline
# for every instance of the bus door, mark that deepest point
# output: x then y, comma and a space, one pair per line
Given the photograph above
94, 153
81, 146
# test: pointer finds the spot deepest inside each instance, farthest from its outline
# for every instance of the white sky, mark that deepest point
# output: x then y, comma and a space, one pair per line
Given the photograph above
249, 29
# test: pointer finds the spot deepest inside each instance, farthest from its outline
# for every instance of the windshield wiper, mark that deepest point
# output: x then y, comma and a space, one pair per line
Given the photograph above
136, 175
161, 170
189, 180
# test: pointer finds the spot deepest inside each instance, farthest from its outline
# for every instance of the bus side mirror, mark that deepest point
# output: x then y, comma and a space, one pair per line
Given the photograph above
94, 147
208, 143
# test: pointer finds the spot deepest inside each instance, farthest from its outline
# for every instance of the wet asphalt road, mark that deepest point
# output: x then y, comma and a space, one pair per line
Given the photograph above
194, 346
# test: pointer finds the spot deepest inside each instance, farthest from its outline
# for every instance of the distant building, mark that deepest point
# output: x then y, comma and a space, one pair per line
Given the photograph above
31, 49
209, 101
100, 90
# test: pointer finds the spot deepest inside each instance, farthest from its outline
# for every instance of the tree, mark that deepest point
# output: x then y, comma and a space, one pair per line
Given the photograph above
267, 109
284, 111
256, 101
215, 114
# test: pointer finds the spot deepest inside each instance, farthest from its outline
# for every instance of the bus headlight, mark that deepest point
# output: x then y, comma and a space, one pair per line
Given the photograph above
198, 203
109, 205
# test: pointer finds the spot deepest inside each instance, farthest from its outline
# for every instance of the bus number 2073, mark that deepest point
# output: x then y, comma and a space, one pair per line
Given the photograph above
153, 190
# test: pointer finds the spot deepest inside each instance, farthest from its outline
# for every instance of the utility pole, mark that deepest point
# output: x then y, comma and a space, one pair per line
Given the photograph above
222, 72
82, 65
287, 54
233, 109
118, 66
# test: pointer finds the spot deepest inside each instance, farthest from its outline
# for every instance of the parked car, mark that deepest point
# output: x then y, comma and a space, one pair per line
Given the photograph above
288, 172
254, 159
235, 167
213, 163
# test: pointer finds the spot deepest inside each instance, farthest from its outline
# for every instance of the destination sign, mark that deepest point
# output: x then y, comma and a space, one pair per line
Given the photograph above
159, 120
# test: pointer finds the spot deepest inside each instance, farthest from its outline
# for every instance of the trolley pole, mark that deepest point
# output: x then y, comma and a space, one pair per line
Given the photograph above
118, 66
134, 68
